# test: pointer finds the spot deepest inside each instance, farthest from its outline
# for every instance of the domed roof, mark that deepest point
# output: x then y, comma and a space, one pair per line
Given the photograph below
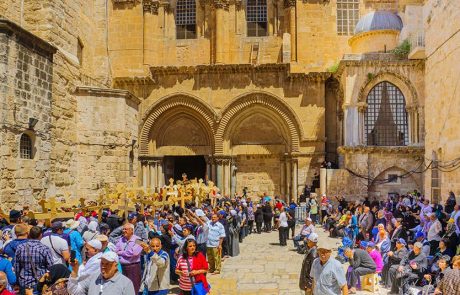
379, 20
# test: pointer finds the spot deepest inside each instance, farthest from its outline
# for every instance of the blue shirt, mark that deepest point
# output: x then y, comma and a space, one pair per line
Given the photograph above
216, 231
7, 268
329, 278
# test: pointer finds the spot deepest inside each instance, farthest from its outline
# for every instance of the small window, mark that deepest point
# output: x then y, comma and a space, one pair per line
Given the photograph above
186, 19
392, 178
347, 16
256, 18
25, 147
80, 51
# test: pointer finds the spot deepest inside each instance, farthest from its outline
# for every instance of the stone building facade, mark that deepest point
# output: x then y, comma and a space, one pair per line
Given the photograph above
250, 94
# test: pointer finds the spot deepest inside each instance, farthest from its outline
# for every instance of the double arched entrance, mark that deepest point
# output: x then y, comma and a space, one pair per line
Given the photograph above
252, 142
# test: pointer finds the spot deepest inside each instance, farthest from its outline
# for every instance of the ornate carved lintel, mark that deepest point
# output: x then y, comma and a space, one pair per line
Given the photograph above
224, 160
125, 1
289, 3
151, 6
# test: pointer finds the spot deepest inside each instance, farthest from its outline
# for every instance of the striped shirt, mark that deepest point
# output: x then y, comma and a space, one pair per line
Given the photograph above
184, 280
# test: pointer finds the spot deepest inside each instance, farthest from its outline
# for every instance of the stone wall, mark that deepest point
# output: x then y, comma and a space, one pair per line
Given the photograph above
106, 128
442, 28
26, 77
259, 173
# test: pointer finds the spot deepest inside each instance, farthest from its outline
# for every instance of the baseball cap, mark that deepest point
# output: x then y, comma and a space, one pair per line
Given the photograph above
132, 215
102, 238
95, 244
313, 237
15, 214
402, 241
56, 225
110, 256
199, 213
371, 244
419, 234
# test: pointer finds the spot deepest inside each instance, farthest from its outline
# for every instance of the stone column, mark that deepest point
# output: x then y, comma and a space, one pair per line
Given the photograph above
290, 12
287, 167
208, 160
145, 174
160, 174
227, 176
323, 181
351, 126
294, 175
233, 170
219, 174
220, 6
153, 175
283, 177
362, 107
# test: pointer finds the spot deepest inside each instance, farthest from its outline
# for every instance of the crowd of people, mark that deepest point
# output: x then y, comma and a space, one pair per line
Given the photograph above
412, 244
150, 253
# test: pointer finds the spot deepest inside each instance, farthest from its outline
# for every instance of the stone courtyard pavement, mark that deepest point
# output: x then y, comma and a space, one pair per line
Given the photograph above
263, 267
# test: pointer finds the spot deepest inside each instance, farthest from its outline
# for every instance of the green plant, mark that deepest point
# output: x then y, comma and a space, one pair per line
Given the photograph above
370, 76
403, 49
334, 68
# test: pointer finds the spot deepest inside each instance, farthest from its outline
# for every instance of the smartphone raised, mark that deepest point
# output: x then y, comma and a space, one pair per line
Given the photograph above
73, 255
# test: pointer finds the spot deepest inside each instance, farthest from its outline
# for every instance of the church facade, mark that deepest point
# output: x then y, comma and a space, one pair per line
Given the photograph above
255, 95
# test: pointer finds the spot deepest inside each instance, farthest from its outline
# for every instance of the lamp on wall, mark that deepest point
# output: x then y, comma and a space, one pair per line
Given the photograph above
133, 142
32, 123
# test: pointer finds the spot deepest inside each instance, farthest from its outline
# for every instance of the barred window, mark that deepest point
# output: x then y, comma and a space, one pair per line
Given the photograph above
186, 19
347, 16
256, 18
25, 147
386, 117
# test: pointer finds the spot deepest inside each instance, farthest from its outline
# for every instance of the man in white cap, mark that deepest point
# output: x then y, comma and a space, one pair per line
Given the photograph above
108, 282
306, 281
93, 263
306, 230
328, 274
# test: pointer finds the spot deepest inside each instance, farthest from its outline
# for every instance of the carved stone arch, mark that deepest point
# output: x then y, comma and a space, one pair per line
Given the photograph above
176, 103
403, 83
264, 100
403, 185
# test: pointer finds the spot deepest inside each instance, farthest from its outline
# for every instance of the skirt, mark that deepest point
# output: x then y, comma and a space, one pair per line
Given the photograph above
133, 272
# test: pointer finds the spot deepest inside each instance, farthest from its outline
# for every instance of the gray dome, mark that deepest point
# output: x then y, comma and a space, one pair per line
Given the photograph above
379, 20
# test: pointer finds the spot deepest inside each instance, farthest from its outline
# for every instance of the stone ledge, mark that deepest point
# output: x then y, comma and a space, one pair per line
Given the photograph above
27, 38
95, 91
414, 150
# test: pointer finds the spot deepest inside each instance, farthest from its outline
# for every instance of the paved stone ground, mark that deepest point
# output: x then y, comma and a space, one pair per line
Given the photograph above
263, 267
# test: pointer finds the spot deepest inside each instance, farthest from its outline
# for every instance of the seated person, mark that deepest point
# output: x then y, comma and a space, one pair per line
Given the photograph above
376, 256
306, 230
360, 263
443, 250
394, 259
410, 270
434, 278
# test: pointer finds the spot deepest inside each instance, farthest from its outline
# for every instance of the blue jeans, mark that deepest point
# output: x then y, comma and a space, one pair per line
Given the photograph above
297, 239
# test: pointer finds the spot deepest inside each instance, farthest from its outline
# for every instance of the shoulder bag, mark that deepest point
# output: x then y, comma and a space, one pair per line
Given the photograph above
197, 288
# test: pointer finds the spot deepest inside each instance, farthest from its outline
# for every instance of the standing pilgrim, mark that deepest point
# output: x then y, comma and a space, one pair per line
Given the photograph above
130, 255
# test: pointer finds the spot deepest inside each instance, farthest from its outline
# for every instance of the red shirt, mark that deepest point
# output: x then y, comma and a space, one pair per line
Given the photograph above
6, 292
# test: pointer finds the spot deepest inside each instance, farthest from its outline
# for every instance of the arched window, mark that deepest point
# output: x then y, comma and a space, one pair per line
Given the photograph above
25, 147
386, 117
186, 19
256, 18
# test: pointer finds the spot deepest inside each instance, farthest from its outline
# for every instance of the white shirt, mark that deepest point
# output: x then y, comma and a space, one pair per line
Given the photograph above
57, 245
283, 220
92, 266
433, 232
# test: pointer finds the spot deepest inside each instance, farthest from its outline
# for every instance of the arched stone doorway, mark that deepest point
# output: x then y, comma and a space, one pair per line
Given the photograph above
390, 182
176, 138
260, 135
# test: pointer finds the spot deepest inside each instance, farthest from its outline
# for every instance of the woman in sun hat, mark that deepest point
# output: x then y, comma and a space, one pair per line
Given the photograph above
76, 240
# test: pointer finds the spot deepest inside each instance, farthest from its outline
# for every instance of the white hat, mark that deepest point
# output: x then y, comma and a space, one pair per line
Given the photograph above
199, 213
92, 226
110, 256
96, 244
313, 237
102, 238
233, 212
72, 224
309, 219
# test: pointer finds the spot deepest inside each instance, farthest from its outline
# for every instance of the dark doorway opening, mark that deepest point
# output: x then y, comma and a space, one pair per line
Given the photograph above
193, 166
